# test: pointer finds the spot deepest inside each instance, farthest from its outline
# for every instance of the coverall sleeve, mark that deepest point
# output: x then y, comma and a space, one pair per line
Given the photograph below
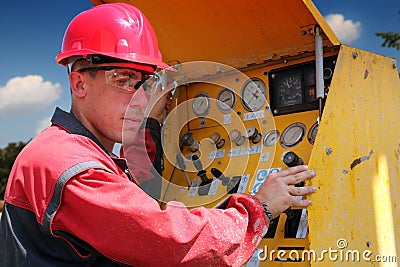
119, 220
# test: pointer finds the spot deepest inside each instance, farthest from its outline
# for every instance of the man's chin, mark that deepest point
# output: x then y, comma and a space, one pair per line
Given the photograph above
129, 134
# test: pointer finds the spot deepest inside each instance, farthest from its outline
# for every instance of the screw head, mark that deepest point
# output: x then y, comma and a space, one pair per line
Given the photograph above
328, 150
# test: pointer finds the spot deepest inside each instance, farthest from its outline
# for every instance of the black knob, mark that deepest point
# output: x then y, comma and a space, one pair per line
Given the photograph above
291, 159
219, 175
187, 139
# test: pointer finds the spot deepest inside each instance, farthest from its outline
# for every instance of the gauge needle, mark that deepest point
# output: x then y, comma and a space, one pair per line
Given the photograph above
226, 100
287, 84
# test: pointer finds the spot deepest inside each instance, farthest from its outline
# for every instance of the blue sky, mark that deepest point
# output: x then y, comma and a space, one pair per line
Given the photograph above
32, 84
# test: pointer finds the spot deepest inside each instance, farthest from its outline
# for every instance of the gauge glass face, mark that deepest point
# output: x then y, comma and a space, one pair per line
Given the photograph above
290, 89
270, 138
293, 135
201, 104
313, 133
226, 100
254, 94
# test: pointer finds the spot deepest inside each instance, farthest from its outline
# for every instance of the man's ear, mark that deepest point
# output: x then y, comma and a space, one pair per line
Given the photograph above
77, 84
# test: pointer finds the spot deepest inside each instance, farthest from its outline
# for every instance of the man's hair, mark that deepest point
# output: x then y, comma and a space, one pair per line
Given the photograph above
83, 63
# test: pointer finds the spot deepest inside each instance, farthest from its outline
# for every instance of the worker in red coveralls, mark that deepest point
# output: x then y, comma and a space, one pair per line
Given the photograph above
71, 202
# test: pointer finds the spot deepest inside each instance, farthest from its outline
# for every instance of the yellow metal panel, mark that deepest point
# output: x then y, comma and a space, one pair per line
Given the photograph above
237, 33
357, 151
356, 156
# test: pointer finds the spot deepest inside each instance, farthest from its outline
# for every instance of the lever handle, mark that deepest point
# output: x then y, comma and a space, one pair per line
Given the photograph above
197, 163
219, 175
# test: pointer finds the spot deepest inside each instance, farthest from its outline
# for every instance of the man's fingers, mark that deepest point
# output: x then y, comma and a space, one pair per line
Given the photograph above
301, 203
299, 177
291, 171
301, 190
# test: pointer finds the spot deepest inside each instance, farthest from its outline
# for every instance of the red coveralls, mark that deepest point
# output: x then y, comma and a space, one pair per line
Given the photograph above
68, 203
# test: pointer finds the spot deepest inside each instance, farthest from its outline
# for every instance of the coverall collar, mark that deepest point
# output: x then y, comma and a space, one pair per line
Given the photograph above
70, 123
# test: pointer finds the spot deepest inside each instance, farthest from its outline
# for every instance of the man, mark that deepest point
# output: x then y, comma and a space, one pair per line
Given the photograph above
70, 202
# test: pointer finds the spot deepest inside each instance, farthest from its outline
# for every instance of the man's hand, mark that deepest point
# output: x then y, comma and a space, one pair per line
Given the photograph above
160, 100
163, 103
278, 190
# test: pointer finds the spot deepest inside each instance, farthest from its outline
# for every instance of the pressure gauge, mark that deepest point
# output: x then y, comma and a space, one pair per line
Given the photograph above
313, 133
226, 100
201, 104
293, 135
254, 94
290, 89
270, 138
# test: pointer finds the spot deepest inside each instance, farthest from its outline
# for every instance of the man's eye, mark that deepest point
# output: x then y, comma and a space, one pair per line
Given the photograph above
122, 81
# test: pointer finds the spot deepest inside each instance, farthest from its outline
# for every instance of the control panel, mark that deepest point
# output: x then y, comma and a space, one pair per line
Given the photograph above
229, 130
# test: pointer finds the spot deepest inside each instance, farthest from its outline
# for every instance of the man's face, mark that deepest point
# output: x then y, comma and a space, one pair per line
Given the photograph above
112, 103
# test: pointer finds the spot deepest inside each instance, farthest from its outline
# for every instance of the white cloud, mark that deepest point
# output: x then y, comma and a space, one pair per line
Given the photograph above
43, 124
27, 95
345, 29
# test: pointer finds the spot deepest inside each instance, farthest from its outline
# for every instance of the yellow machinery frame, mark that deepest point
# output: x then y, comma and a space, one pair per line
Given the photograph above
357, 150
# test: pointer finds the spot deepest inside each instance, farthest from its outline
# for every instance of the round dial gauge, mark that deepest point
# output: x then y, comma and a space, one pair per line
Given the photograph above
290, 90
254, 94
270, 138
201, 104
313, 133
293, 135
226, 100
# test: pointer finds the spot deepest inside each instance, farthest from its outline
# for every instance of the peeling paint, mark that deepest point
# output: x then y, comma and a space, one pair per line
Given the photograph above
366, 74
359, 160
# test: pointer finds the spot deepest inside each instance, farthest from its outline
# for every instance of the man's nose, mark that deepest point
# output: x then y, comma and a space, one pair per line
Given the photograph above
139, 99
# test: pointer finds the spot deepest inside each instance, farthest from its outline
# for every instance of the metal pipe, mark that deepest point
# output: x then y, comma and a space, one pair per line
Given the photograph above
319, 68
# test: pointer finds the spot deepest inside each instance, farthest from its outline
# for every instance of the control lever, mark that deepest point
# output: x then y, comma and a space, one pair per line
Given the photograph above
291, 159
219, 175
181, 164
204, 186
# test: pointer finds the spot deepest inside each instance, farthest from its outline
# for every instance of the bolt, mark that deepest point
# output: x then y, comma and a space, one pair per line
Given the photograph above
394, 64
355, 55
328, 150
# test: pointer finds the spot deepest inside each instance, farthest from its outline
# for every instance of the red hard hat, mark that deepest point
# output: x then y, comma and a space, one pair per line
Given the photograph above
116, 30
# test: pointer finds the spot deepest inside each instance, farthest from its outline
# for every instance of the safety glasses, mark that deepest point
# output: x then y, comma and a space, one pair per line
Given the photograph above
121, 77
